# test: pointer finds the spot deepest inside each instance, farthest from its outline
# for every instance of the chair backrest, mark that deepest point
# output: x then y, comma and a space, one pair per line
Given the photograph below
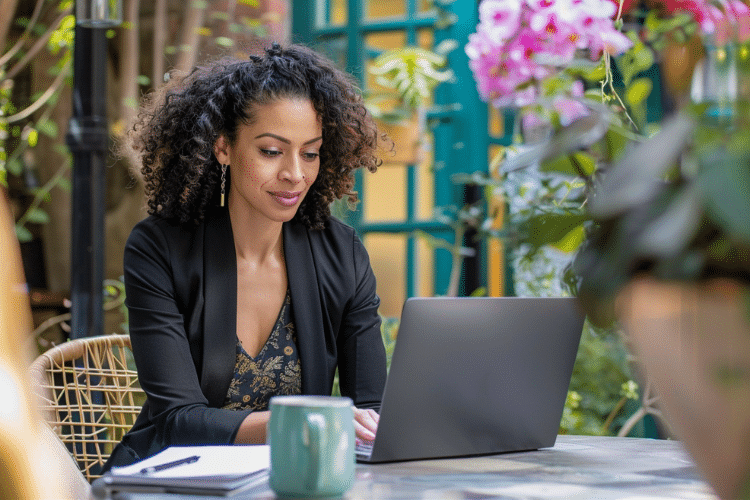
90, 396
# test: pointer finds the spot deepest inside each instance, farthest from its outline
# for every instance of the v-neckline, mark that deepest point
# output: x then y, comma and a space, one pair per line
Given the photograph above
274, 331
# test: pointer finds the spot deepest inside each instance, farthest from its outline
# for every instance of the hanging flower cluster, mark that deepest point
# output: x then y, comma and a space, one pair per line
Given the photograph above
519, 43
716, 22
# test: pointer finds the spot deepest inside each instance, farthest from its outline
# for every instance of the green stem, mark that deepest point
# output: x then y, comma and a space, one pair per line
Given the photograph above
456, 262
40, 194
614, 412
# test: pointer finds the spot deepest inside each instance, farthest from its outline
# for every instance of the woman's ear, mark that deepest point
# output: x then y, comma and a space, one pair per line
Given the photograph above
222, 150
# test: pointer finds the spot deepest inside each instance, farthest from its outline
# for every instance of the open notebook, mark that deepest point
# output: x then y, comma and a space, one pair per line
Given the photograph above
205, 470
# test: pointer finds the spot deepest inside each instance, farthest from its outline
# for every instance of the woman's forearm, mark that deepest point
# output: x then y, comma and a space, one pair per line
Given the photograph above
253, 428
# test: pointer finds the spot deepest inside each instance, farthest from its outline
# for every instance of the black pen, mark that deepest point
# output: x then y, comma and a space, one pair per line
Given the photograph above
169, 465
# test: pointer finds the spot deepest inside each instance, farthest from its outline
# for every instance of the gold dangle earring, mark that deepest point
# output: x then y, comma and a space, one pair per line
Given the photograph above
223, 183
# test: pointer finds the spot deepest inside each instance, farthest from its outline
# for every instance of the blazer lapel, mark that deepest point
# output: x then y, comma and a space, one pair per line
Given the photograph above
220, 318
306, 307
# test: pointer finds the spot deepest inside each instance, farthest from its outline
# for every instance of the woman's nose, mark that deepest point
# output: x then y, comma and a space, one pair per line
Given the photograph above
292, 170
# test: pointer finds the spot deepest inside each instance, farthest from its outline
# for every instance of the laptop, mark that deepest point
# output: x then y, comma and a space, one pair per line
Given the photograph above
476, 375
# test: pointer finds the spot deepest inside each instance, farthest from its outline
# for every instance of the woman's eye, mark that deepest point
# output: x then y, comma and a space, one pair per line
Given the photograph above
270, 152
311, 156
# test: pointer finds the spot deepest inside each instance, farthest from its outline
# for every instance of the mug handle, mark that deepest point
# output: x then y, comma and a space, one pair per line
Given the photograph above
314, 427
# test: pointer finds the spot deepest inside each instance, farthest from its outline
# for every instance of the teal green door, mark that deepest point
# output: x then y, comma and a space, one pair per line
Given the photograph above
399, 201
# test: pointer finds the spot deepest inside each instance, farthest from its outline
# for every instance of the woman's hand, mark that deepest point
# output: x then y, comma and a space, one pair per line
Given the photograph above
365, 424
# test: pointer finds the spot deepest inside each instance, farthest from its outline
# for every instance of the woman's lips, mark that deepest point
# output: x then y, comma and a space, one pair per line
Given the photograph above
286, 198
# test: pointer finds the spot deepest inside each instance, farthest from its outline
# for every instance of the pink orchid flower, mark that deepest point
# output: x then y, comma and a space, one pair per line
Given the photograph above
741, 13
500, 18
569, 110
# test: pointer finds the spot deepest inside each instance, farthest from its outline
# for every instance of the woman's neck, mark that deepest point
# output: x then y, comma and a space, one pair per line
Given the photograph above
255, 238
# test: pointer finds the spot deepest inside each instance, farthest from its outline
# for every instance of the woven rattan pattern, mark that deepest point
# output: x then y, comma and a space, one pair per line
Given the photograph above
89, 395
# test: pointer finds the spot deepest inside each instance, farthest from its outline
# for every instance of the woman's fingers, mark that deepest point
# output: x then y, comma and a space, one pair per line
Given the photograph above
365, 424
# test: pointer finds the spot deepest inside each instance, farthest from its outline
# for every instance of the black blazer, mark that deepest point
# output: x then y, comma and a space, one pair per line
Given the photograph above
181, 294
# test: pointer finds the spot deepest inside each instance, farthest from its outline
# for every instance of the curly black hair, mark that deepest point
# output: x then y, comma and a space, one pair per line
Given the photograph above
174, 135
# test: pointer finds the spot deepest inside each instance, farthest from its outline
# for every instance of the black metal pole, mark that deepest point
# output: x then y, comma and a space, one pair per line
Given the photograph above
472, 265
87, 139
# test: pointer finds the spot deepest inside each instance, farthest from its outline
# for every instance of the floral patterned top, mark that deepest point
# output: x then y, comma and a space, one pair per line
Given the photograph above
274, 371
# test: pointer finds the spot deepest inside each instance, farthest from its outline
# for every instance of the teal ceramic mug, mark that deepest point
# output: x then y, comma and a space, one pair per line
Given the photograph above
312, 445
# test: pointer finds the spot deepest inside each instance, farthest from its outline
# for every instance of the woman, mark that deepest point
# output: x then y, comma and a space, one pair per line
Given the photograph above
240, 285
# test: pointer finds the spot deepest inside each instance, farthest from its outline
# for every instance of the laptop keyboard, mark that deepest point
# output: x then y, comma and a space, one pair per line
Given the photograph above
363, 449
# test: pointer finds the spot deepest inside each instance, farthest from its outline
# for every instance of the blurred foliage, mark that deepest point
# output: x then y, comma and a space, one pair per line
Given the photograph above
389, 332
412, 72
20, 127
601, 388
114, 298
675, 208
5, 109
407, 76
545, 186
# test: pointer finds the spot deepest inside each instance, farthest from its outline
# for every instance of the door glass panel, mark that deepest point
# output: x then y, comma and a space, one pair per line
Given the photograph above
335, 49
495, 122
380, 9
426, 38
375, 43
381, 97
425, 7
388, 259
338, 13
495, 247
426, 179
425, 271
384, 194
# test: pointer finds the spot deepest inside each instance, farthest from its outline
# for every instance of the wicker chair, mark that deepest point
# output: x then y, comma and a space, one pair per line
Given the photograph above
89, 395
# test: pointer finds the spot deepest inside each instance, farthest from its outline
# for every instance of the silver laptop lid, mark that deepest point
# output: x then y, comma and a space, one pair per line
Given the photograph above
475, 375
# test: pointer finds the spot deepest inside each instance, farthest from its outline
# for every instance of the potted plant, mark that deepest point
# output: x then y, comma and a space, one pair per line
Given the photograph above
668, 254
666, 244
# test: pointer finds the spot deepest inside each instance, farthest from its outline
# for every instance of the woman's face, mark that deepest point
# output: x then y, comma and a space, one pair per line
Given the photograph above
274, 160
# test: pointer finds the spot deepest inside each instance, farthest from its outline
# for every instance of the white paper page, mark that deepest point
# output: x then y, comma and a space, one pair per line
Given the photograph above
213, 461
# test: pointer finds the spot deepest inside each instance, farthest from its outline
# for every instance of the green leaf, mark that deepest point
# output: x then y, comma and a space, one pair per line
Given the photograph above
14, 166
446, 46
633, 180
638, 91
224, 41
616, 141
412, 71
571, 241
130, 102
37, 216
577, 164
221, 16
725, 183
23, 234
637, 59
585, 163
596, 73
33, 137
446, 20
668, 232
64, 184
144, 80
549, 229
560, 164
48, 128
